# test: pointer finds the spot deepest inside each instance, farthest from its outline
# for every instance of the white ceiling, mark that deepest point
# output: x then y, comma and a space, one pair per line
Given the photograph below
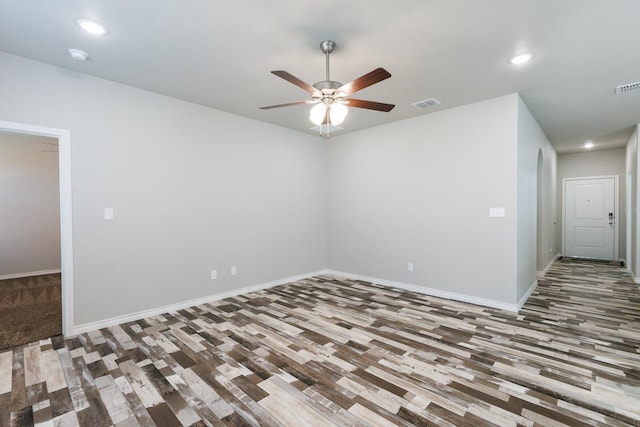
220, 54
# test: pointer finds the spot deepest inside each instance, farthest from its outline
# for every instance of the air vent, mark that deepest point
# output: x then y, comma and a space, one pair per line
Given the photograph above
629, 87
426, 103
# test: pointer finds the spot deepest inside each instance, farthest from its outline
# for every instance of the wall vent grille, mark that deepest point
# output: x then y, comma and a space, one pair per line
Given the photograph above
426, 103
629, 87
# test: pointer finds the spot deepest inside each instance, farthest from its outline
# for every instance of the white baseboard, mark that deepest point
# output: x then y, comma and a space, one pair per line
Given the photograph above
29, 273
79, 329
431, 292
527, 294
546, 269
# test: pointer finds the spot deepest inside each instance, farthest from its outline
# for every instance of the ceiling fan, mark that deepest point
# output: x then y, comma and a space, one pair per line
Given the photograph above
332, 98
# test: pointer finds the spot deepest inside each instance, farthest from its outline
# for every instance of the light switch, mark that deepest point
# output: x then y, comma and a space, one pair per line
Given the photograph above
496, 212
108, 213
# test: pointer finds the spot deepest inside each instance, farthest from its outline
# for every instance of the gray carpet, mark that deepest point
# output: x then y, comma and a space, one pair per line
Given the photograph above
30, 309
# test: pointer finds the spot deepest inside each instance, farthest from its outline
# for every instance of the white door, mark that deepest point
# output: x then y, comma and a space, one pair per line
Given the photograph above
590, 218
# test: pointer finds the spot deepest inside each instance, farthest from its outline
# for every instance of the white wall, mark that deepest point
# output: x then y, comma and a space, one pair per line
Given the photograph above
195, 189
419, 191
29, 205
192, 189
597, 163
531, 141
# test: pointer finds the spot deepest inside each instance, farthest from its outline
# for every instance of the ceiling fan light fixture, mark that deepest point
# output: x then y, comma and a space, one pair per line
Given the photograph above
337, 113
317, 113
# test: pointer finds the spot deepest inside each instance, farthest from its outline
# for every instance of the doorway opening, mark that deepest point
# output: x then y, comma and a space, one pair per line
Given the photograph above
30, 285
63, 137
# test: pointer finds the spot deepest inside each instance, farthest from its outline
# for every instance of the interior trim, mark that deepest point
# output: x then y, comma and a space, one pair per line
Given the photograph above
92, 326
30, 273
527, 294
432, 292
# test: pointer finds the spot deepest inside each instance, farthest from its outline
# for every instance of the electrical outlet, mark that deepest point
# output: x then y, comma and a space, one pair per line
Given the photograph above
214, 274
234, 270
410, 266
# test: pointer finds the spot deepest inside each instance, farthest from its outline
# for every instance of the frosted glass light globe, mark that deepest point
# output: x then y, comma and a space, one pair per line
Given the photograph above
317, 113
337, 113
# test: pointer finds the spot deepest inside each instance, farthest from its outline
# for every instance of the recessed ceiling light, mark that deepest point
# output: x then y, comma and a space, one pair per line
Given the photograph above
589, 144
78, 55
91, 27
521, 58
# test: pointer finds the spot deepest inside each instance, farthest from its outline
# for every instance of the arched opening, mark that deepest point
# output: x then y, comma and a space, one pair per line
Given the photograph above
540, 252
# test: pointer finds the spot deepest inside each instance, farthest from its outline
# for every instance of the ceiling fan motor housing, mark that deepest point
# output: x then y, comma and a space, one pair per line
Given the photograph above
327, 84
327, 46
326, 91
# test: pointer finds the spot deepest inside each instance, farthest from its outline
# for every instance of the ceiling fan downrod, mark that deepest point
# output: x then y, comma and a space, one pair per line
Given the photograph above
327, 87
327, 47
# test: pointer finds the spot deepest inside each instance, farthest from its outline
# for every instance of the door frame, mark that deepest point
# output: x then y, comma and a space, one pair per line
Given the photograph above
616, 207
66, 211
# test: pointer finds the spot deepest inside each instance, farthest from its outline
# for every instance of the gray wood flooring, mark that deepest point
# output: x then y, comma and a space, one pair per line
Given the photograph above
330, 351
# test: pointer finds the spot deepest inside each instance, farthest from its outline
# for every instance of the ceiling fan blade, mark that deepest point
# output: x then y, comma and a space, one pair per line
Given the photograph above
296, 81
362, 82
268, 107
370, 105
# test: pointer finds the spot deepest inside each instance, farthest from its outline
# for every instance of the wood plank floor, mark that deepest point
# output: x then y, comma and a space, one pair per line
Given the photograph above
329, 351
